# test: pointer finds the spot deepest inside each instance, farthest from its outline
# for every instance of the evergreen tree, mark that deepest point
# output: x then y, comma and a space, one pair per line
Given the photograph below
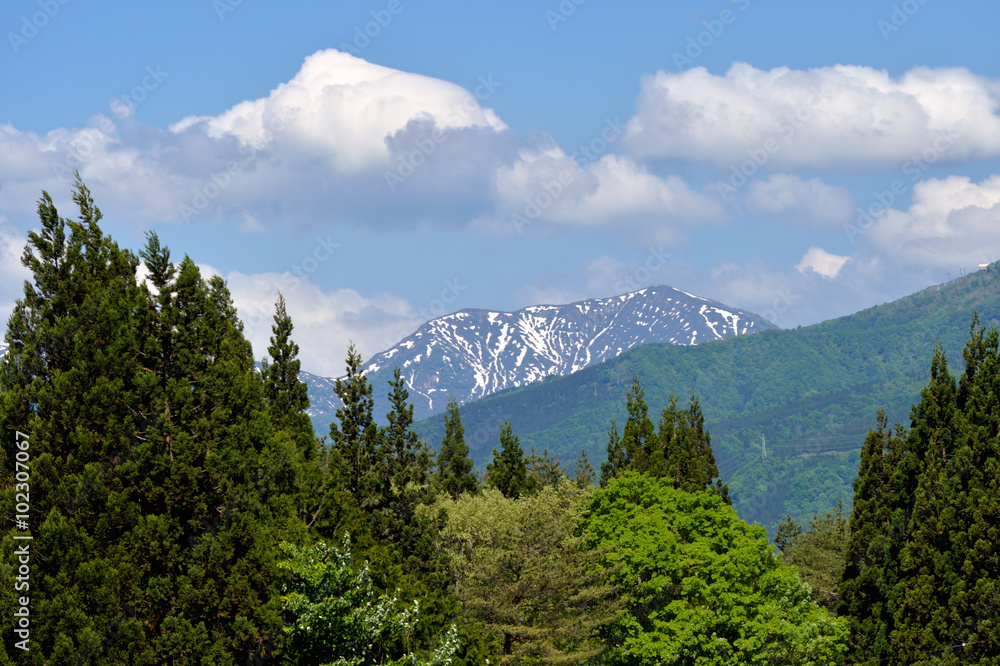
639, 436
921, 576
508, 471
787, 534
584, 474
287, 397
616, 462
408, 460
948, 604
454, 466
158, 492
680, 449
683, 450
356, 441
543, 470
819, 554
872, 548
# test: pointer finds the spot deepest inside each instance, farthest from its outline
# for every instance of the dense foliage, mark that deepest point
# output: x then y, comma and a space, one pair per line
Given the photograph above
922, 573
699, 584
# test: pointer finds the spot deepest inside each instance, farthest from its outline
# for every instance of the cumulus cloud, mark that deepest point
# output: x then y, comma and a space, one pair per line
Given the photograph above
342, 109
326, 321
822, 262
808, 202
344, 141
951, 223
12, 273
840, 117
347, 142
549, 186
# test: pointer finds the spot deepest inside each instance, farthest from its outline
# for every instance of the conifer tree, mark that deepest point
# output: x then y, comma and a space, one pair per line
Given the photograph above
819, 554
584, 473
73, 381
157, 490
639, 436
616, 462
356, 441
949, 562
543, 470
286, 395
787, 534
454, 466
508, 471
408, 459
287, 399
864, 591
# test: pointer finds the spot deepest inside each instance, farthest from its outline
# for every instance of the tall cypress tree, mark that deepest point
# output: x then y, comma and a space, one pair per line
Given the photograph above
156, 485
639, 435
73, 381
616, 462
408, 459
948, 604
454, 466
872, 548
356, 440
286, 395
508, 472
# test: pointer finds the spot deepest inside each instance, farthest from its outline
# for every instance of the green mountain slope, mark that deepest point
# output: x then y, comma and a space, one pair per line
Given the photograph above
811, 393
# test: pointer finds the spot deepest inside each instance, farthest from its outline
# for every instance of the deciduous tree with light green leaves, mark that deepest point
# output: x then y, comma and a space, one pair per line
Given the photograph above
336, 618
701, 586
518, 567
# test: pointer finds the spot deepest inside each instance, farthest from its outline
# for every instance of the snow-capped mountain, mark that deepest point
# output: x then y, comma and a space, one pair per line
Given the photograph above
471, 354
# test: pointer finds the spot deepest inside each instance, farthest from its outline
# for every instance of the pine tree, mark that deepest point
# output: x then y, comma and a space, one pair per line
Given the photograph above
787, 533
508, 470
454, 466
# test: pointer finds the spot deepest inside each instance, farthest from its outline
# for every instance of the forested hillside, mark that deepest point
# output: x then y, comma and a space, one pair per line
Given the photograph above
811, 392
166, 502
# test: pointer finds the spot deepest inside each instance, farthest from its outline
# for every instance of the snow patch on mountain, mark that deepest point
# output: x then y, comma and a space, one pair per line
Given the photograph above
471, 354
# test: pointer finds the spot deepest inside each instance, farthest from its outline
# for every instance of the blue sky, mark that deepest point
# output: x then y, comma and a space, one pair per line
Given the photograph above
384, 162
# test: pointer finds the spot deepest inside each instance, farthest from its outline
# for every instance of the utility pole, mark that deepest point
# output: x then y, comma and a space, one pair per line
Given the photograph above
763, 447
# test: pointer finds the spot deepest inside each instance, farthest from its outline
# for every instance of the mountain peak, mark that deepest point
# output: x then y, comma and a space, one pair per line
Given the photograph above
473, 353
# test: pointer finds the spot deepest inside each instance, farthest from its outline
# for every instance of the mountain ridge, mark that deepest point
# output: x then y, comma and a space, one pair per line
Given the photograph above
812, 391
476, 352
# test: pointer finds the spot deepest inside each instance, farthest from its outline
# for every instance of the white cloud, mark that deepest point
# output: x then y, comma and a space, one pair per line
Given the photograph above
822, 262
547, 185
809, 202
326, 321
841, 116
952, 223
343, 108
12, 273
